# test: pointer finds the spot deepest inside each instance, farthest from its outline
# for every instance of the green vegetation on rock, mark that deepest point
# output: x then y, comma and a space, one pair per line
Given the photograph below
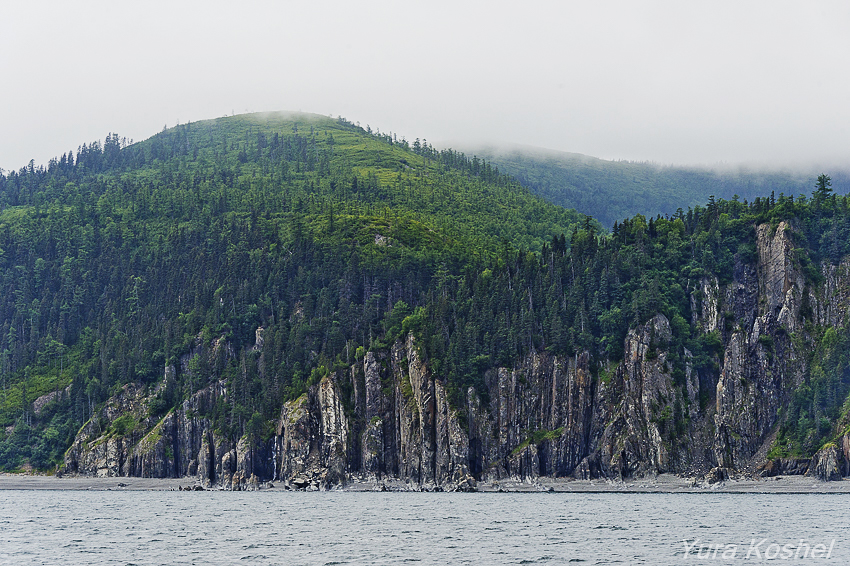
269, 252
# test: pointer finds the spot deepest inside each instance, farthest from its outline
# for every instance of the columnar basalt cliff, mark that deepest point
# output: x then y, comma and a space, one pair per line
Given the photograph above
388, 417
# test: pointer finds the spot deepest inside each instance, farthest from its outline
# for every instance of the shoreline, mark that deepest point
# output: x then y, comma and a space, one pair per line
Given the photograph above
664, 483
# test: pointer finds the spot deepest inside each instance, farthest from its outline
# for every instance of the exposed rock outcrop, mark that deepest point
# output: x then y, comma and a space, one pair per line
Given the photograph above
312, 438
827, 463
784, 467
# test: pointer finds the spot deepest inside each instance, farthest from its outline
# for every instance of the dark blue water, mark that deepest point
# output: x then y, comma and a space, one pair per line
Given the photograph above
283, 528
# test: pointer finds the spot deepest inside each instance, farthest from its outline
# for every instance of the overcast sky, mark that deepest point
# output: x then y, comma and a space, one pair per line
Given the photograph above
679, 81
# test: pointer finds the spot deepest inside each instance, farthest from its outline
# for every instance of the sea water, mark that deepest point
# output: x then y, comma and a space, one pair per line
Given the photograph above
291, 528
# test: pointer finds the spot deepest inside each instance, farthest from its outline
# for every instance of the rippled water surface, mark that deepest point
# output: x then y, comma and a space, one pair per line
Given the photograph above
108, 527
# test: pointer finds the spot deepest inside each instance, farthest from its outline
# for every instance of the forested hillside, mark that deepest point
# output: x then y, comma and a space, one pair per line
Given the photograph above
281, 295
611, 191
116, 259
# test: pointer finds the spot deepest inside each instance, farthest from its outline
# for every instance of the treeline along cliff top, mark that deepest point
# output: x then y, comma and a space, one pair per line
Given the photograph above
294, 297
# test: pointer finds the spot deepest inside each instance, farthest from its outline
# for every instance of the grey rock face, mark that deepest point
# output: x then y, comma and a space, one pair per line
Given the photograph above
97, 450
312, 438
827, 463
785, 467
179, 444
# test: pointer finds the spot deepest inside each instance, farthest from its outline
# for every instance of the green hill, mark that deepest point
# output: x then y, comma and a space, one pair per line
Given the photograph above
121, 258
267, 252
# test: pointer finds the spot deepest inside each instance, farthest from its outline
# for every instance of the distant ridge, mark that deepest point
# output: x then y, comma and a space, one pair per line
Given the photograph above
613, 190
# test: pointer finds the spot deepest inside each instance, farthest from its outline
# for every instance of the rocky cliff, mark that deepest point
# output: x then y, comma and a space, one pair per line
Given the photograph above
388, 417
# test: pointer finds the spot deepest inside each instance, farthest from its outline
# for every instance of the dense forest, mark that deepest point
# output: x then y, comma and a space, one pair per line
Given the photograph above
120, 259
117, 258
613, 190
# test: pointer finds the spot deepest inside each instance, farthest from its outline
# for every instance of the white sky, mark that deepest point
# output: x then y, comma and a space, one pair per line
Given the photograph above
676, 81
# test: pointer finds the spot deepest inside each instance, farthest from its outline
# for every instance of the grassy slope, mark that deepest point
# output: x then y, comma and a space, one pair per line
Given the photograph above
477, 212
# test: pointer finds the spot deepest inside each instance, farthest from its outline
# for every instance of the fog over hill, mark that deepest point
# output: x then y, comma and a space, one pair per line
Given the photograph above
613, 190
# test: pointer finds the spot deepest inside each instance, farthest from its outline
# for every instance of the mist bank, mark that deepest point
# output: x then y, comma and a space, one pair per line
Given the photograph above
611, 190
